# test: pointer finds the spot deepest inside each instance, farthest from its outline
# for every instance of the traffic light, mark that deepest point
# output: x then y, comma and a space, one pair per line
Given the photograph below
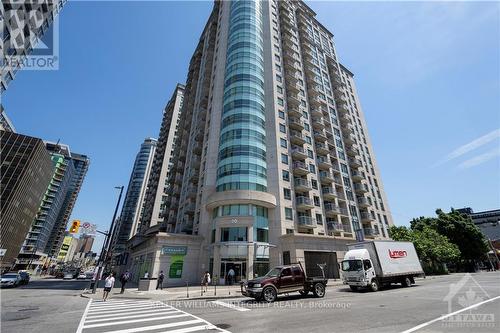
75, 225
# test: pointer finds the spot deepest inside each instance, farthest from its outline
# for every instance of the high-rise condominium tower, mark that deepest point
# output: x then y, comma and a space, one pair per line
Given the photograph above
156, 196
273, 163
128, 221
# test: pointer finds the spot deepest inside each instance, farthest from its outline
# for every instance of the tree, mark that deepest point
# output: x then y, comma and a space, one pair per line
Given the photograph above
432, 248
459, 229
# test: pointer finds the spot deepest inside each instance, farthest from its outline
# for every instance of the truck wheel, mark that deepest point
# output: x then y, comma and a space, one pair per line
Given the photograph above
354, 288
304, 292
319, 290
374, 285
269, 294
406, 282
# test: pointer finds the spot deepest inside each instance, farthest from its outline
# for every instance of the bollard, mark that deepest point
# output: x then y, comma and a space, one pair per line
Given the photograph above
215, 290
187, 289
201, 285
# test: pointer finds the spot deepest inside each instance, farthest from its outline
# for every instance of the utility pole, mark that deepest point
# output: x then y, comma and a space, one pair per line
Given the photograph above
103, 256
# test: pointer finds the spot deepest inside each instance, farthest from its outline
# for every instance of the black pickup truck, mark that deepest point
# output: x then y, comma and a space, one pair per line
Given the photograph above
283, 280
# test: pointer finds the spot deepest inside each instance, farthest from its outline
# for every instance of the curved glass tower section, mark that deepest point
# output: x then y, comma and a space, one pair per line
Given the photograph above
242, 150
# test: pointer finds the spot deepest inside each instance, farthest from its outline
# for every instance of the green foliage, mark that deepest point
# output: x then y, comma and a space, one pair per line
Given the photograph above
459, 229
432, 248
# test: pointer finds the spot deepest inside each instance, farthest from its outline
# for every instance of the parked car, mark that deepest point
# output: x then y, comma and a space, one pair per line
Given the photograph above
284, 279
59, 275
10, 279
81, 276
25, 277
68, 276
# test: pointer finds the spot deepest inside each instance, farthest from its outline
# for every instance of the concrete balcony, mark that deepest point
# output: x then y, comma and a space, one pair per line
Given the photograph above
293, 88
370, 233
190, 208
342, 108
322, 148
329, 193
316, 112
313, 91
324, 163
297, 137
357, 175
294, 112
191, 192
298, 153
302, 185
349, 138
326, 177
335, 169
361, 188
353, 151
293, 100
291, 77
287, 22
306, 222
331, 209
303, 203
296, 123
337, 180
300, 168
363, 202
366, 217
355, 162
317, 102
318, 123
320, 136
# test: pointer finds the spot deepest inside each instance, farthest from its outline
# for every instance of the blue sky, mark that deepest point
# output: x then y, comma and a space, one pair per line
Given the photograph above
427, 75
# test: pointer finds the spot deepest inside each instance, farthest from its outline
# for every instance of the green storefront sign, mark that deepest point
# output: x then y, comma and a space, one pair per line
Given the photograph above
172, 250
176, 254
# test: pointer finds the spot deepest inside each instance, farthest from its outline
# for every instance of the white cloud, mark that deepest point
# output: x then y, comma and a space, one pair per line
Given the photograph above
480, 159
474, 144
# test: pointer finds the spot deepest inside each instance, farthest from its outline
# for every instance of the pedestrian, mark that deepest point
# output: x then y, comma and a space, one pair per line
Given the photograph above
159, 284
205, 281
108, 285
123, 280
230, 276
146, 275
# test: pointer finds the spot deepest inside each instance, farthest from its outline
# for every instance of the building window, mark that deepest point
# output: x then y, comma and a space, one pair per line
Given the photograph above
282, 128
262, 235
319, 218
316, 201
236, 234
285, 175
288, 213
281, 114
314, 184
284, 158
283, 143
287, 193
312, 168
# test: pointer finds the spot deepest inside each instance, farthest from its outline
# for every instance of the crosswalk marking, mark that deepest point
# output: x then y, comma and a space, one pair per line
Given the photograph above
93, 320
130, 316
121, 313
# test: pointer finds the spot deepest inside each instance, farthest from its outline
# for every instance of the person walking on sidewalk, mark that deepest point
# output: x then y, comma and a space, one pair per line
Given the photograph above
108, 285
159, 284
146, 275
205, 281
230, 276
123, 280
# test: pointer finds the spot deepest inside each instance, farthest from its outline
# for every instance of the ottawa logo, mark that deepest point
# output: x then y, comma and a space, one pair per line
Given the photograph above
397, 254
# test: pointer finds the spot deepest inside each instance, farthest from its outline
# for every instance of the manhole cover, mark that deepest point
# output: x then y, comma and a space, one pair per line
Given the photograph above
382, 305
29, 309
223, 326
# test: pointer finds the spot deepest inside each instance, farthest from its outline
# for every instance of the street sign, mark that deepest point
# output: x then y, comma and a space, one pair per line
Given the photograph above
174, 250
88, 228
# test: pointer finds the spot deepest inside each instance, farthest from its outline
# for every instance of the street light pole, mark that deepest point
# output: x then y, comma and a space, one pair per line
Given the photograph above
101, 263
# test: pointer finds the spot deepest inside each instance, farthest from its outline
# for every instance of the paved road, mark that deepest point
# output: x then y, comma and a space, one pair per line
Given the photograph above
47, 305
55, 306
393, 310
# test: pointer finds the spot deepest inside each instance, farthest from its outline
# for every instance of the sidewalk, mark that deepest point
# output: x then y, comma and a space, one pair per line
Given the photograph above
180, 293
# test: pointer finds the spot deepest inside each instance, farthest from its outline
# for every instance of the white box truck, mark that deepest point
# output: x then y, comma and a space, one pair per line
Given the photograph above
375, 264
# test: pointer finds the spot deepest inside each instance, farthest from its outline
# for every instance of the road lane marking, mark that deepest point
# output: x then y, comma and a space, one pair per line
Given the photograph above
449, 315
150, 305
231, 306
156, 327
188, 329
92, 320
135, 321
109, 304
82, 321
122, 312
122, 306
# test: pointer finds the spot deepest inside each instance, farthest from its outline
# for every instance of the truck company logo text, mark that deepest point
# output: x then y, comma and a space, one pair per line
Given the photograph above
395, 254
